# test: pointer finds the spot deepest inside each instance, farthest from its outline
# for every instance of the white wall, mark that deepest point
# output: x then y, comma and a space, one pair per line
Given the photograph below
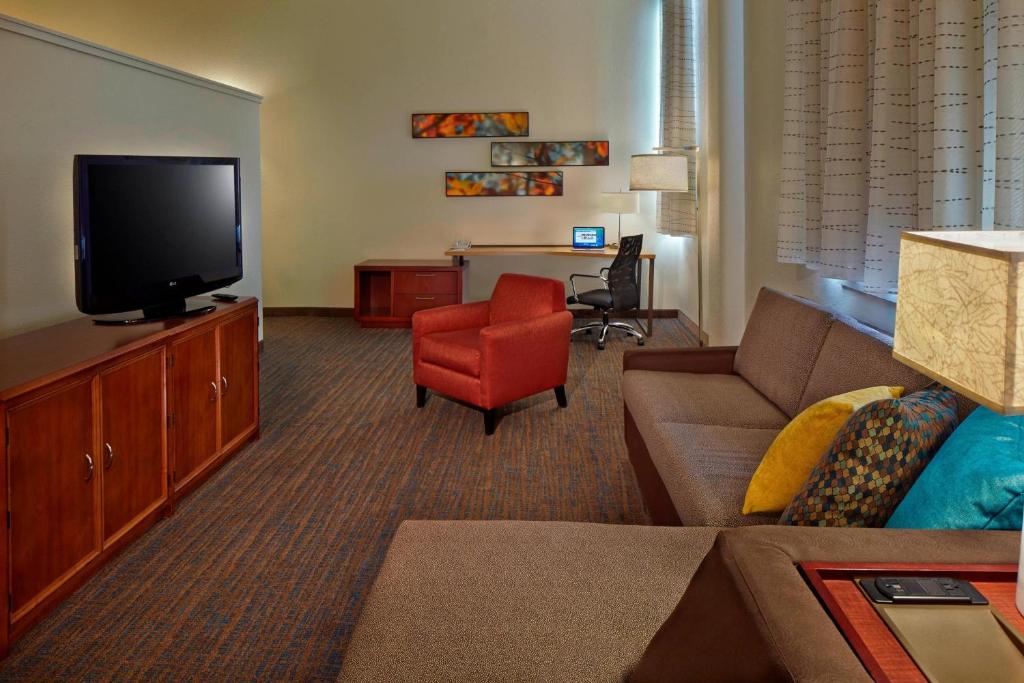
57, 102
342, 179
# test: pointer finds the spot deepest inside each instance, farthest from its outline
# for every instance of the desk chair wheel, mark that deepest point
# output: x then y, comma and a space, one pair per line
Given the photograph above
600, 346
639, 341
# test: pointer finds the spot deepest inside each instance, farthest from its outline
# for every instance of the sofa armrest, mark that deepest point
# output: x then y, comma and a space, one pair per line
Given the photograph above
522, 357
710, 360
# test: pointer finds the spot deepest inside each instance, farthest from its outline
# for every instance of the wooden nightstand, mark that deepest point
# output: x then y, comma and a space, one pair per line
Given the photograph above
389, 291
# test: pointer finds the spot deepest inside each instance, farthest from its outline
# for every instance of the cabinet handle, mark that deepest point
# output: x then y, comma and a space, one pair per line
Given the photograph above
425, 298
426, 274
110, 456
89, 467
213, 392
224, 385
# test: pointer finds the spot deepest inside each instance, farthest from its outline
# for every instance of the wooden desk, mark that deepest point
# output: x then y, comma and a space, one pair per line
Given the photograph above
459, 256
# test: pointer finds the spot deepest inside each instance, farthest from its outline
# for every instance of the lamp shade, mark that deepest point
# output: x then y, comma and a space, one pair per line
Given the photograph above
619, 202
658, 172
960, 313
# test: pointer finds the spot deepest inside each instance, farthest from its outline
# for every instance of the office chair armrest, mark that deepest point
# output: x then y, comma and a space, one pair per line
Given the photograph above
572, 282
716, 360
523, 357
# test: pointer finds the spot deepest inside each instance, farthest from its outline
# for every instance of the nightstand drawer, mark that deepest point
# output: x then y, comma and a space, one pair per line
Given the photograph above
426, 282
407, 304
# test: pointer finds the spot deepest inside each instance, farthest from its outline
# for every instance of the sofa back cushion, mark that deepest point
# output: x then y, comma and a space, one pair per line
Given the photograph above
521, 297
780, 346
855, 356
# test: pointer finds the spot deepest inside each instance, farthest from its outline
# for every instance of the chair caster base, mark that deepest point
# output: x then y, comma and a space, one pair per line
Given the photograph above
600, 346
640, 341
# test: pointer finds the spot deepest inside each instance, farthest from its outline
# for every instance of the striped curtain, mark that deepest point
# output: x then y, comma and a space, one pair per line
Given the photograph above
899, 114
677, 212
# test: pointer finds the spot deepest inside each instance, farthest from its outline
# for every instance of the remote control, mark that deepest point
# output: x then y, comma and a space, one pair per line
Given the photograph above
220, 296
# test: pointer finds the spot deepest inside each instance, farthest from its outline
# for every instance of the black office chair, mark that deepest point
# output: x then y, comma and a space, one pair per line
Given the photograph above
620, 293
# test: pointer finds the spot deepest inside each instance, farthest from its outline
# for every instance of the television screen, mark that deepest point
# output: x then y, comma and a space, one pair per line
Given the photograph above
151, 231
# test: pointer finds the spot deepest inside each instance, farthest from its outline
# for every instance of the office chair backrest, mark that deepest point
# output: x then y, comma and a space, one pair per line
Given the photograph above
623, 279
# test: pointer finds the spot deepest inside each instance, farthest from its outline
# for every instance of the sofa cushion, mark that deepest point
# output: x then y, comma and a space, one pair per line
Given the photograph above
854, 356
780, 346
800, 446
557, 601
457, 350
697, 398
875, 459
706, 469
975, 481
748, 614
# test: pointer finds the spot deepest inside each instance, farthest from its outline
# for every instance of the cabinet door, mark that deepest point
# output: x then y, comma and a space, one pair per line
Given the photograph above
134, 436
238, 376
54, 490
196, 394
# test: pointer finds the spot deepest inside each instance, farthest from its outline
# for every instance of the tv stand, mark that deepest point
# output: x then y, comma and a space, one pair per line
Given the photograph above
174, 309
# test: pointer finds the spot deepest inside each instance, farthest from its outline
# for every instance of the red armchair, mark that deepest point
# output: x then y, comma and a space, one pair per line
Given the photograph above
494, 352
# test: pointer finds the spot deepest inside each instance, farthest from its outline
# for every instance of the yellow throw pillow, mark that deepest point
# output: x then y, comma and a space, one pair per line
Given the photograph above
800, 445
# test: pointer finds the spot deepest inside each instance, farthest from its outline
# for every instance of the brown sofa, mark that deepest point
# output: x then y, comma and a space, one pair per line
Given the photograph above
525, 601
698, 421
560, 601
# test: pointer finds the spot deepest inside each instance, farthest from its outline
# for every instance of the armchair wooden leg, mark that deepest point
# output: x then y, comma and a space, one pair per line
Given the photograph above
490, 420
563, 402
421, 396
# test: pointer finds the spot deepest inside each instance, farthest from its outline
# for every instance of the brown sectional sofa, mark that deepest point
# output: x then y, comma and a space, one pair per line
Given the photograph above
527, 601
698, 421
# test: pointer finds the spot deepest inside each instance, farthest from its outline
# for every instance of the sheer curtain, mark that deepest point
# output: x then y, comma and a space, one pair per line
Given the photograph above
681, 26
899, 114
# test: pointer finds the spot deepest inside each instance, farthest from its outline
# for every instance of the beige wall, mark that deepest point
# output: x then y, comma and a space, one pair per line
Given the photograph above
58, 102
343, 181
764, 46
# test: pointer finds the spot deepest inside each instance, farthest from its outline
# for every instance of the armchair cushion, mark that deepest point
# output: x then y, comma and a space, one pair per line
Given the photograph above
457, 350
520, 297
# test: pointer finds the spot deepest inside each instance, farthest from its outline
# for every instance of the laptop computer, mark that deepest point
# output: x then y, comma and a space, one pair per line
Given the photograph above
588, 238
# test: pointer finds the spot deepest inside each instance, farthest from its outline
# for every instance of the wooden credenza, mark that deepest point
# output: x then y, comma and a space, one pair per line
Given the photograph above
102, 429
388, 292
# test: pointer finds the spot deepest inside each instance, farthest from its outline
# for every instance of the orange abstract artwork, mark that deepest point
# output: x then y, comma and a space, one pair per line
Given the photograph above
494, 125
503, 184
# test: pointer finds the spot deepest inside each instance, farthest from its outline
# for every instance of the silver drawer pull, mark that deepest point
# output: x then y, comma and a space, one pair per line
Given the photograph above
88, 467
424, 298
426, 274
213, 392
108, 463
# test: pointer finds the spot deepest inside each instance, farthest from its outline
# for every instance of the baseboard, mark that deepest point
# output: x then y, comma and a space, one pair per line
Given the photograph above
323, 311
691, 327
641, 314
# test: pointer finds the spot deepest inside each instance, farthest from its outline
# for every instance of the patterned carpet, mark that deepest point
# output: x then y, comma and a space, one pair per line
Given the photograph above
262, 572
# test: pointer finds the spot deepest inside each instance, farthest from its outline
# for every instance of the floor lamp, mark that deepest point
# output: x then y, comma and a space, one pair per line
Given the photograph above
666, 171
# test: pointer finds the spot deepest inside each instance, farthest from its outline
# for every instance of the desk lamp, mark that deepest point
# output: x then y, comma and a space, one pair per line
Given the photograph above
620, 203
960, 317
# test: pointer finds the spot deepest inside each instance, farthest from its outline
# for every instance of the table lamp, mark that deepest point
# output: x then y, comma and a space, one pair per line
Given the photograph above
620, 203
960, 317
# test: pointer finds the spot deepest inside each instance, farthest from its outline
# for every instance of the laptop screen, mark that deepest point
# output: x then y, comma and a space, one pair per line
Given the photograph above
588, 238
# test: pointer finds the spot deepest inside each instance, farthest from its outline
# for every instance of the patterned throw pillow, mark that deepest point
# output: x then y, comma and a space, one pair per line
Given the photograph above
874, 460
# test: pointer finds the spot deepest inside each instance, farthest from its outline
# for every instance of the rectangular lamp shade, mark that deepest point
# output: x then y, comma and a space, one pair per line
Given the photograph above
960, 313
619, 202
658, 172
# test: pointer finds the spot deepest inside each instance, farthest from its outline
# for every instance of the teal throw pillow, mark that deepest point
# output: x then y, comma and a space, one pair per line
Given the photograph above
975, 481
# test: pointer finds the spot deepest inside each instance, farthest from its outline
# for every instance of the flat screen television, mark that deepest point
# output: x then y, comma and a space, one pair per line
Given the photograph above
151, 231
